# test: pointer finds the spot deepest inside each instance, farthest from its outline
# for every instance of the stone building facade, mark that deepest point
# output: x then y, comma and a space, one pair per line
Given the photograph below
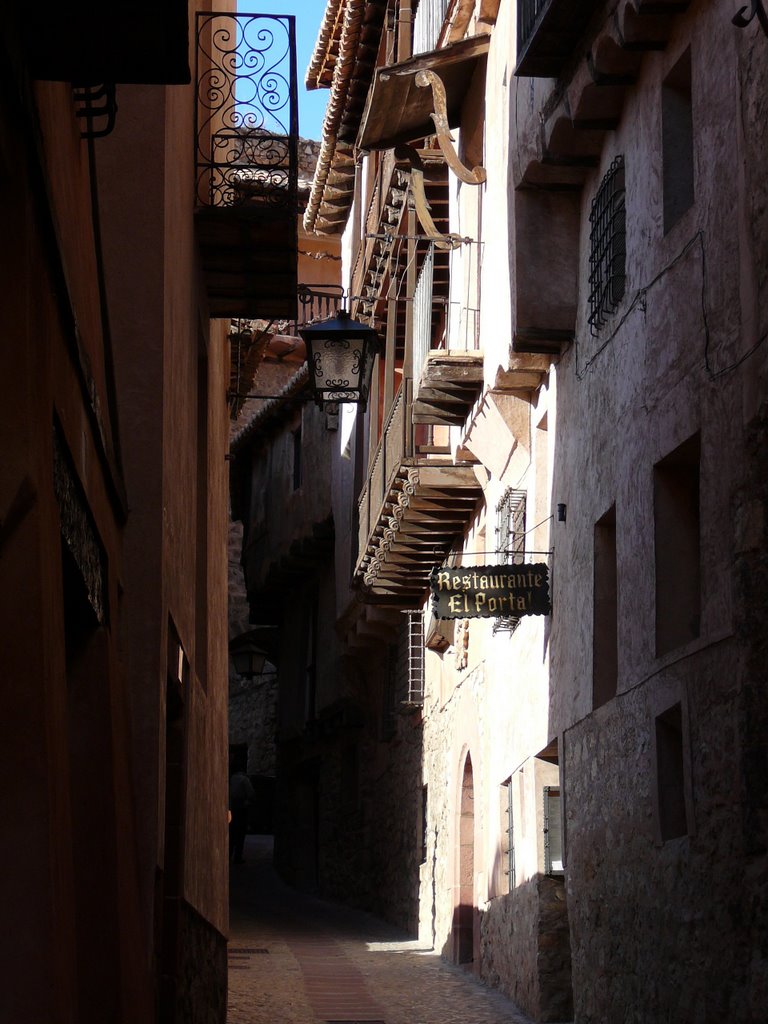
555, 217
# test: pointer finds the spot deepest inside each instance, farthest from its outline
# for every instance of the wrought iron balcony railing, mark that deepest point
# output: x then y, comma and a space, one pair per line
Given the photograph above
246, 132
246, 163
427, 24
547, 32
315, 302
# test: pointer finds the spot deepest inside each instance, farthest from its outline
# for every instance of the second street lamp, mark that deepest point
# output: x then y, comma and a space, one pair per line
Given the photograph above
340, 356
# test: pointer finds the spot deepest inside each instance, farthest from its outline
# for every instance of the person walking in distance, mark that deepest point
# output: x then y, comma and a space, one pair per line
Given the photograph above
241, 798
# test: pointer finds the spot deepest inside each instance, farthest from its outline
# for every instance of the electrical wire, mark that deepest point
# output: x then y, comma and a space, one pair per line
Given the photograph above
640, 301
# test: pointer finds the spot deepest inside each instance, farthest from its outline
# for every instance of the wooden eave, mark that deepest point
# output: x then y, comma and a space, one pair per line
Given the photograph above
428, 505
397, 110
354, 57
323, 61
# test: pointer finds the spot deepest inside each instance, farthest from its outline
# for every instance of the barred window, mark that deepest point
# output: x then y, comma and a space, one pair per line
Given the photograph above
414, 658
510, 542
553, 832
607, 247
404, 686
509, 837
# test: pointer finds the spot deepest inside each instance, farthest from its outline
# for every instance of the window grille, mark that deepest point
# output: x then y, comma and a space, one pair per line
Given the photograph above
415, 657
510, 865
405, 675
607, 247
553, 833
510, 543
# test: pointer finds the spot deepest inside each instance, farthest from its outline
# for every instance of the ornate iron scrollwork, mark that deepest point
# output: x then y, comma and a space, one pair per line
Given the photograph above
247, 123
757, 10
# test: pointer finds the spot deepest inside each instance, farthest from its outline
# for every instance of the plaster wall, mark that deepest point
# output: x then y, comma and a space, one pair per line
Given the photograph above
495, 708
132, 211
172, 378
42, 390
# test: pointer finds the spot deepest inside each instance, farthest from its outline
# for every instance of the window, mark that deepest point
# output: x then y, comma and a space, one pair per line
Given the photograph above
509, 836
677, 543
604, 615
404, 676
670, 774
553, 832
177, 672
414, 635
677, 141
607, 247
510, 542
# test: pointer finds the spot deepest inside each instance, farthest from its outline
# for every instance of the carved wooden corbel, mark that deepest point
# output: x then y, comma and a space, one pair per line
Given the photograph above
420, 201
476, 176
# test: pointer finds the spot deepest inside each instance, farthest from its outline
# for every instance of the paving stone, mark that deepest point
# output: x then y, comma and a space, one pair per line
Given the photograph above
327, 964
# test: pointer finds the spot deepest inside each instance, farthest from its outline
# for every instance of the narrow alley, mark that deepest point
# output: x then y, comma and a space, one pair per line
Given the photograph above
295, 959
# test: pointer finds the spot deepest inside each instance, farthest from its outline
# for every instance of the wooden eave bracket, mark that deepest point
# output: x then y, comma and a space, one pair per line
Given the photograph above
421, 203
425, 80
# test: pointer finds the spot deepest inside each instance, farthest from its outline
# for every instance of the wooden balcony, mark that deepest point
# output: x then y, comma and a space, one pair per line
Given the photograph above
415, 504
450, 383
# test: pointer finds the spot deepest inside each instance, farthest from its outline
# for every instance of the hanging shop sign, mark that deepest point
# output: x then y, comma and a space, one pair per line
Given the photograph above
490, 591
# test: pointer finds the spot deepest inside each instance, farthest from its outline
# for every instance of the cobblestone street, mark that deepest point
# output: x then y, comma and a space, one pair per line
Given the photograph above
294, 959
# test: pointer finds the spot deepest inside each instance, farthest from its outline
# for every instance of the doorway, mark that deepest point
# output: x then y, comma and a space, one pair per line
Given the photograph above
464, 912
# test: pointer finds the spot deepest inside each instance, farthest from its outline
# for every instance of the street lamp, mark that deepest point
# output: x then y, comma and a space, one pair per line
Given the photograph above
249, 662
247, 657
340, 356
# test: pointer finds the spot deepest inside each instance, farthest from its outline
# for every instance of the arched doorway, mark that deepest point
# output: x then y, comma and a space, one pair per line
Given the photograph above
464, 912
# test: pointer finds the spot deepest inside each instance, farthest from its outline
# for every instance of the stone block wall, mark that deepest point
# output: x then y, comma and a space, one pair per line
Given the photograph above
396, 795
648, 917
369, 826
253, 720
